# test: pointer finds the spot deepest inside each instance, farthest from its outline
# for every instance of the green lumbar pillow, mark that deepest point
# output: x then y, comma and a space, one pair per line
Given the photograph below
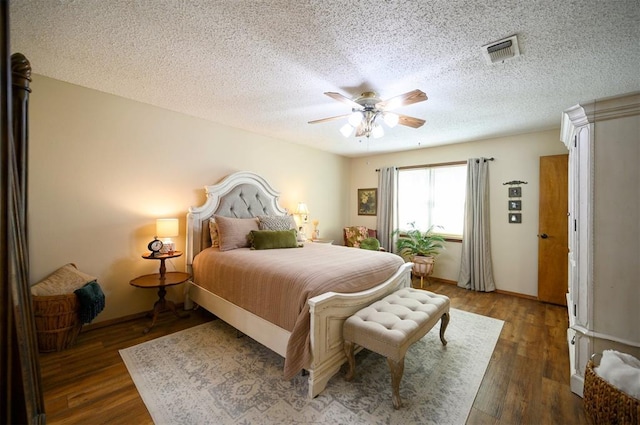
273, 239
370, 243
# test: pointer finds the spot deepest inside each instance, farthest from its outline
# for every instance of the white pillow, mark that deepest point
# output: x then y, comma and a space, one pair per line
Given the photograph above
234, 232
65, 280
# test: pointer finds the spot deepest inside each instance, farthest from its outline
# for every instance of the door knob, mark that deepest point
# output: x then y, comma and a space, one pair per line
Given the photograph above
544, 236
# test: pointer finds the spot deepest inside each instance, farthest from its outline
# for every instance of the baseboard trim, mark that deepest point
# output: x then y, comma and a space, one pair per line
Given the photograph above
441, 280
135, 316
498, 291
517, 294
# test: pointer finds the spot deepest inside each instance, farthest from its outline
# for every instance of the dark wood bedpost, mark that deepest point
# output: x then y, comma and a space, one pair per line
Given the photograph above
21, 398
21, 79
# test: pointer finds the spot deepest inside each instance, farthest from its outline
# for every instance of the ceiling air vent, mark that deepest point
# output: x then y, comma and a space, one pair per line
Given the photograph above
502, 50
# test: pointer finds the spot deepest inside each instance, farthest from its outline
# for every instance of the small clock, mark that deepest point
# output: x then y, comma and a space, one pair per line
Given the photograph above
155, 246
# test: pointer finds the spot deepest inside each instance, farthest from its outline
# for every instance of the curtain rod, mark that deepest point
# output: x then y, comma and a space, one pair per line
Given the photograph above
440, 164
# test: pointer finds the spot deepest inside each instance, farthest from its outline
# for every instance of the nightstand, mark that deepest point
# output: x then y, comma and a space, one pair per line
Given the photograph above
161, 280
328, 241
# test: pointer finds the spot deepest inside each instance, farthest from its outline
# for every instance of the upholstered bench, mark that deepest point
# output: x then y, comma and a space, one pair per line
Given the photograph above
389, 327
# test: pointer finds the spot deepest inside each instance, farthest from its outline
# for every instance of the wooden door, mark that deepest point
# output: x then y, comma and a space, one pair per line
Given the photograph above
553, 247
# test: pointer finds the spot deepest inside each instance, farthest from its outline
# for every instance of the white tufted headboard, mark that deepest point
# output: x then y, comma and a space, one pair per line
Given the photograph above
241, 195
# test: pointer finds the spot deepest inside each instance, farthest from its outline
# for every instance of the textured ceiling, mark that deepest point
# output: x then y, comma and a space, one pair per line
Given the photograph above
263, 66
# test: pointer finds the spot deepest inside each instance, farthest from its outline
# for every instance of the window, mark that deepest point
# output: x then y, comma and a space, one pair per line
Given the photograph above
433, 195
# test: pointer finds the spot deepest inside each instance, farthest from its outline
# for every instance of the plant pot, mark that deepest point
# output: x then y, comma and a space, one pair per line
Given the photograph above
422, 266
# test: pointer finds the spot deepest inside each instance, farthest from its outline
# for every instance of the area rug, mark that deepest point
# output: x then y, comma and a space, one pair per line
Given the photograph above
209, 375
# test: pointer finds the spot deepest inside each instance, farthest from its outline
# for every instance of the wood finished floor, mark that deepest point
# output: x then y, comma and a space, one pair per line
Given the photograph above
527, 381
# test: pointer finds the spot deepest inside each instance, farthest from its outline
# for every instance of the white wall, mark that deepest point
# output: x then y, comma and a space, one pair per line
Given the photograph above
103, 168
514, 246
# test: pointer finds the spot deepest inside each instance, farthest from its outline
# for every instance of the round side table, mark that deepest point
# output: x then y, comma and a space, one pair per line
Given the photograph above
161, 281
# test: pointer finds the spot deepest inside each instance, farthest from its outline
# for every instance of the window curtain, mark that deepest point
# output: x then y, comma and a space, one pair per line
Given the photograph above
387, 207
476, 272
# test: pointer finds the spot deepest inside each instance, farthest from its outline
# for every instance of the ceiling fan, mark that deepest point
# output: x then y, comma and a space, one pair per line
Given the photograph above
368, 110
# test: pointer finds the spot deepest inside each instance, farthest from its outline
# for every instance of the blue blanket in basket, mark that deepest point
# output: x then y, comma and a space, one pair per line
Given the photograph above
92, 301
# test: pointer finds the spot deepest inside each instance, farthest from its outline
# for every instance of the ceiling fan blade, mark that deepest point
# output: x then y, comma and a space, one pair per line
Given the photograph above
328, 119
410, 121
343, 99
405, 99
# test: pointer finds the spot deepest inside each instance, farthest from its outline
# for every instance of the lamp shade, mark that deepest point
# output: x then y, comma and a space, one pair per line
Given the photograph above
302, 209
303, 212
377, 131
346, 130
167, 227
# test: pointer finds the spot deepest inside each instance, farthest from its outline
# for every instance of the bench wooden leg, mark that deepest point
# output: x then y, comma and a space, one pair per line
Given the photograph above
444, 322
348, 350
397, 369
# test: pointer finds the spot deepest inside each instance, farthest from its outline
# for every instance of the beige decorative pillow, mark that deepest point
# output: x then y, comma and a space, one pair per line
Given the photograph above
234, 232
276, 222
213, 232
65, 280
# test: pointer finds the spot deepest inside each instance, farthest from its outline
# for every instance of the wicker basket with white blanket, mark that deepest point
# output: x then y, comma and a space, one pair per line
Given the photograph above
605, 403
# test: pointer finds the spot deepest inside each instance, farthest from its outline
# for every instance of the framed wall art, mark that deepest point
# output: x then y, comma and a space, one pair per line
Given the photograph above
515, 205
367, 201
515, 192
515, 218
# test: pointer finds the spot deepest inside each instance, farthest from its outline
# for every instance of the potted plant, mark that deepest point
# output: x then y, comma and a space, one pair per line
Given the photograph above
421, 248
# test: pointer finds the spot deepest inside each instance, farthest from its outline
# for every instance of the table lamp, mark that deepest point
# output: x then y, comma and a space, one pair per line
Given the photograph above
303, 213
167, 228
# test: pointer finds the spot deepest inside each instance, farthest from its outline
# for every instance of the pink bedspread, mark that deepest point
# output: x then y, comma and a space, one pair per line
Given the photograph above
276, 284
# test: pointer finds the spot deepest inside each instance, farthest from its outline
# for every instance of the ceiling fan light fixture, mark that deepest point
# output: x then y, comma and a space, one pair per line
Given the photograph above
368, 110
391, 119
346, 130
355, 118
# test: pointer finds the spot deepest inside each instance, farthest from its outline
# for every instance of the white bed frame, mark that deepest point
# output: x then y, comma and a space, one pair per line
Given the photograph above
328, 311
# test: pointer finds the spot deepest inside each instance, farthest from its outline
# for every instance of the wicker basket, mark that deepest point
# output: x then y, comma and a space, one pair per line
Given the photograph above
57, 321
605, 404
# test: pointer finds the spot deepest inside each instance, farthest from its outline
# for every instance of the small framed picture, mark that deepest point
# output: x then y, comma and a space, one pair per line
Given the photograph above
515, 205
367, 201
515, 192
515, 218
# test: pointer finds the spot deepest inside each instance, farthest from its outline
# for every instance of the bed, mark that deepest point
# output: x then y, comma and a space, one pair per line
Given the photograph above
308, 334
